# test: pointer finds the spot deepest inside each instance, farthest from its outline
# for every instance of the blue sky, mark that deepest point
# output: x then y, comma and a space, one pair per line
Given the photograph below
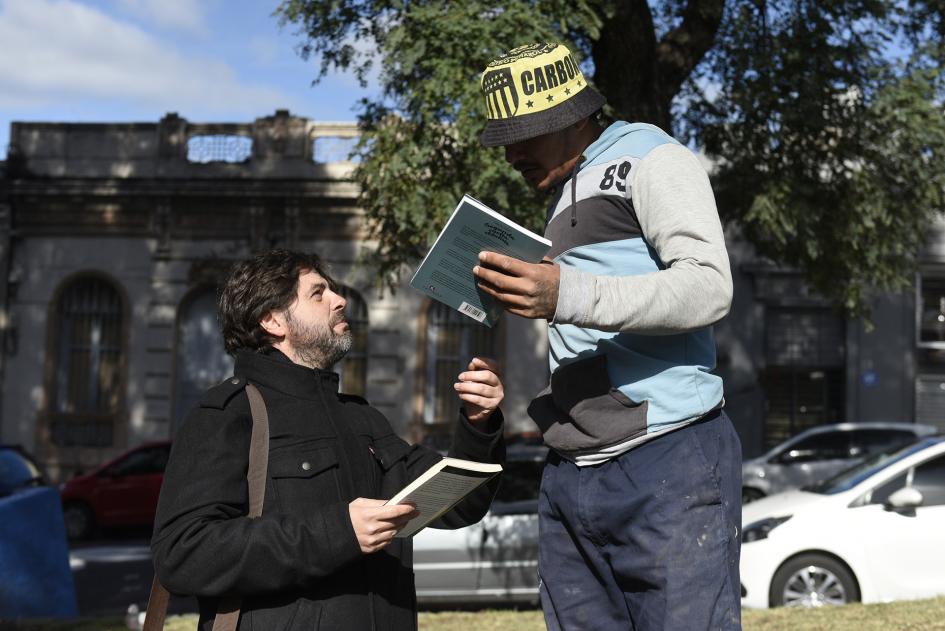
135, 60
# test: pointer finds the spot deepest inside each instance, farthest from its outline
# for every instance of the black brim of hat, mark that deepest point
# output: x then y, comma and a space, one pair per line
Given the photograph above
508, 131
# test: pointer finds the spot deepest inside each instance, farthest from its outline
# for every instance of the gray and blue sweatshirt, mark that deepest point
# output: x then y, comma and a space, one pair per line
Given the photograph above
644, 275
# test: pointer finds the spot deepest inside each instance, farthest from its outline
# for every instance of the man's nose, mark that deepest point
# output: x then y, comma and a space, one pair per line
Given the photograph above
513, 152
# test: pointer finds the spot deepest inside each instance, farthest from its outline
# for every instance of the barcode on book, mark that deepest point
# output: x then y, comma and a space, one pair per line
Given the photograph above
476, 314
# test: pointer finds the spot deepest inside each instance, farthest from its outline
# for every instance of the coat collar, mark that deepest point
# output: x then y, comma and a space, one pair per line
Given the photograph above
271, 368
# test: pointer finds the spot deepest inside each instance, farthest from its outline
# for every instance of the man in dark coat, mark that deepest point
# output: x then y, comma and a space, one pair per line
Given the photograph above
323, 555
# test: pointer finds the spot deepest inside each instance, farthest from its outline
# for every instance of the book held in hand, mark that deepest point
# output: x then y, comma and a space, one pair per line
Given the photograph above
440, 488
445, 274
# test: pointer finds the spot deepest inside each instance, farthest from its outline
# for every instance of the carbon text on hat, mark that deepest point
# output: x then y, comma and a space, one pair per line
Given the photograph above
548, 76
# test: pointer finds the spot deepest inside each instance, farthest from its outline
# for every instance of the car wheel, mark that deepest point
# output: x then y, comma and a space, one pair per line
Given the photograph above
79, 520
750, 495
813, 580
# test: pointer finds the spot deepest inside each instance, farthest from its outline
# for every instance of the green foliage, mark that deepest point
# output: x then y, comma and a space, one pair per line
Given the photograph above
419, 150
824, 117
831, 153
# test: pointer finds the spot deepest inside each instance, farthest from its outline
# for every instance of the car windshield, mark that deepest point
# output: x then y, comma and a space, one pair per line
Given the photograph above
848, 478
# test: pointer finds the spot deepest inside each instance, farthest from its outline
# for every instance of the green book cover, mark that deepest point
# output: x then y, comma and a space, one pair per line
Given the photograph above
445, 273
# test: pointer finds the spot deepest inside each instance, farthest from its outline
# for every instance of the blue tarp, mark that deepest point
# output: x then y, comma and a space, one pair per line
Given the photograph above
35, 579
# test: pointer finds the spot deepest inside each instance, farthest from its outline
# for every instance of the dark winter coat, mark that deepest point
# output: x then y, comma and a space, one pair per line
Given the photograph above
299, 566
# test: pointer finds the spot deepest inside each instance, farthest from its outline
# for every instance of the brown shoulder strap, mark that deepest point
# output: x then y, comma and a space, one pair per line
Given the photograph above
258, 451
157, 607
228, 611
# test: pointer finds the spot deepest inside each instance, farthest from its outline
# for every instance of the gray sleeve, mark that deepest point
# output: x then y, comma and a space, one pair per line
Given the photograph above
676, 208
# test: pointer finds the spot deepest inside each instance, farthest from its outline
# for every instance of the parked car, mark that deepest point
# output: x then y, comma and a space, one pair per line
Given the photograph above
18, 470
121, 492
872, 533
496, 560
820, 452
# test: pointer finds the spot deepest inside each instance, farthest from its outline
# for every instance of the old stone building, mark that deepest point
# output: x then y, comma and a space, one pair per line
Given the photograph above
114, 238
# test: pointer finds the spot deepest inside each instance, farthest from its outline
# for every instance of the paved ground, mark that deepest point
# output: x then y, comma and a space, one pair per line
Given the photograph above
111, 574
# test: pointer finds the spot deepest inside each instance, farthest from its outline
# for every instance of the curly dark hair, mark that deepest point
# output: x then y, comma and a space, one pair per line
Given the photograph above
267, 282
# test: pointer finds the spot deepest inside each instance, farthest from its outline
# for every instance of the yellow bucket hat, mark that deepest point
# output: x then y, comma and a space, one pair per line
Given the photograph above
533, 90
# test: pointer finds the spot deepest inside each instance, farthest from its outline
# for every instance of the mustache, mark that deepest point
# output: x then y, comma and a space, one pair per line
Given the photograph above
337, 319
523, 165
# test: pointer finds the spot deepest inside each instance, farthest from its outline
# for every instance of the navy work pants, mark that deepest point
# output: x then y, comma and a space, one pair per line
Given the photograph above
648, 541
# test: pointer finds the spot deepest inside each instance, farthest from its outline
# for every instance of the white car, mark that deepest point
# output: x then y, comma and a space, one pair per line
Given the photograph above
493, 562
873, 533
820, 452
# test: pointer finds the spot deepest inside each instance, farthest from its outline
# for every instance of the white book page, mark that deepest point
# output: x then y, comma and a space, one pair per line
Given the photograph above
435, 494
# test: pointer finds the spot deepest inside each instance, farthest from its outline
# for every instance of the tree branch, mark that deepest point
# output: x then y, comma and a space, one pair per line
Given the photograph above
682, 48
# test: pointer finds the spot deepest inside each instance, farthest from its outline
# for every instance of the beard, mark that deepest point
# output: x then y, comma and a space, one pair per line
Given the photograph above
317, 345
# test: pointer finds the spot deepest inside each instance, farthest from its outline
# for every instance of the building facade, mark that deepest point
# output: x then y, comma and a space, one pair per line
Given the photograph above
114, 239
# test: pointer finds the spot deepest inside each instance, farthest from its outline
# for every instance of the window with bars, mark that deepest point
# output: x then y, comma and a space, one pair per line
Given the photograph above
930, 400
803, 378
219, 148
452, 340
930, 310
353, 367
328, 149
89, 358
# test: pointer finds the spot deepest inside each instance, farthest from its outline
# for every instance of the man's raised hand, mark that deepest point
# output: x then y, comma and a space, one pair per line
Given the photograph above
480, 389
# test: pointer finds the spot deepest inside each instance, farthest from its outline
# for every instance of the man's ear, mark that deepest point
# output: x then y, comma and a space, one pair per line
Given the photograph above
273, 323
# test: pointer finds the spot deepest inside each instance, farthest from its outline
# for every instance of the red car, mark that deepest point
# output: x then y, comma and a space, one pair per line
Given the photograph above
121, 492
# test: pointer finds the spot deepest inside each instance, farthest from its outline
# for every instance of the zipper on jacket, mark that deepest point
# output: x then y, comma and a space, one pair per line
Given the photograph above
367, 574
375, 479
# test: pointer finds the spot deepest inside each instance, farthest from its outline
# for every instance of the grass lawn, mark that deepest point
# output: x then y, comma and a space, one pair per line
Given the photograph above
920, 615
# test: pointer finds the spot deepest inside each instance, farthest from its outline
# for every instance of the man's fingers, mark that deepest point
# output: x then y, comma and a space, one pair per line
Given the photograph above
485, 402
507, 264
487, 377
472, 387
490, 278
395, 511
509, 300
499, 281
484, 363
366, 501
375, 522
399, 524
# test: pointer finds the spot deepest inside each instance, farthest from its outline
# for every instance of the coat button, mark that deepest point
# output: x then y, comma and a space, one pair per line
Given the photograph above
306, 466
235, 380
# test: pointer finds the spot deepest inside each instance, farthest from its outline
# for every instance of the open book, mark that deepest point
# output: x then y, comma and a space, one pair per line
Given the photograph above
446, 272
440, 488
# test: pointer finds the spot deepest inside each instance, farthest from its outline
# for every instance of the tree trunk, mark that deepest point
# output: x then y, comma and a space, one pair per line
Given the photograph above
641, 76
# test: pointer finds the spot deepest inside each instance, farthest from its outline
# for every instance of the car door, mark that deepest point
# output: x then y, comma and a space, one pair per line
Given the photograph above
509, 547
905, 547
127, 490
495, 560
446, 563
811, 459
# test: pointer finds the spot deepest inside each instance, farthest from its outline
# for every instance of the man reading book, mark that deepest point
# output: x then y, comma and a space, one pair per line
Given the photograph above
323, 553
639, 508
